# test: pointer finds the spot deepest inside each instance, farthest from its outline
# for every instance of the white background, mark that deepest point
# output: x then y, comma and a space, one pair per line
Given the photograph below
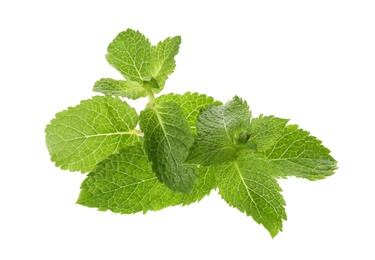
311, 61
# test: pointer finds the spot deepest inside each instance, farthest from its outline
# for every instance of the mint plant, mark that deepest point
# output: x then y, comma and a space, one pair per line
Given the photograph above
180, 147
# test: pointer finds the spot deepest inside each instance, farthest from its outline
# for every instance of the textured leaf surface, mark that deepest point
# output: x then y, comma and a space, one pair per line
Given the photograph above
130, 54
82, 136
297, 153
219, 129
124, 183
266, 130
248, 185
163, 63
191, 104
167, 140
122, 88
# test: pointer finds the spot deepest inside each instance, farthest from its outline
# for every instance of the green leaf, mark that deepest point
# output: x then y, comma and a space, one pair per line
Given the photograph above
220, 133
266, 130
163, 63
81, 136
191, 104
297, 153
247, 185
130, 54
124, 183
122, 88
167, 141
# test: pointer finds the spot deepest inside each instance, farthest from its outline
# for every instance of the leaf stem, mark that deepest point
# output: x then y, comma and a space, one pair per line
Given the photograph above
151, 98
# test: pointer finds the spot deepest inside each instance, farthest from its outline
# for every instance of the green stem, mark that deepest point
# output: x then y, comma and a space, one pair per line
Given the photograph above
151, 98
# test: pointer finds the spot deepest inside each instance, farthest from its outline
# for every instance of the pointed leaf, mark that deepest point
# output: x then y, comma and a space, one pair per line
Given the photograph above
167, 141
297, 153
124, 183
220, 133
130, 54
163, 63
81, 136
247, 185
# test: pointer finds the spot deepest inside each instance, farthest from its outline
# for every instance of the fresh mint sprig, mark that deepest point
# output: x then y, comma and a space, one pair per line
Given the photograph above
180, 147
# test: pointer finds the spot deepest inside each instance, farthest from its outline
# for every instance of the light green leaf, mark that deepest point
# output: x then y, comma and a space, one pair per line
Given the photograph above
130, 54
81, 136
266, 130
297, 153
163, 63
191, 104
122, 88
124, 183
167, 141
222, 132
247, 185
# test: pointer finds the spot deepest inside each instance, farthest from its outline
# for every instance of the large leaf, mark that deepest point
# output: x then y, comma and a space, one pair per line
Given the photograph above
81, 136
124, 183
247, 184
167, 140
297, 153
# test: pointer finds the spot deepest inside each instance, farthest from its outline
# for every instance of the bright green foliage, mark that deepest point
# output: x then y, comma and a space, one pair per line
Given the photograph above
266, 130
130, 54
145, 67
247, 184
167, 140
124, 183
163, 63
186, 146
250, 153
82, 136
191, 104
297, 153
121, 88
220, 133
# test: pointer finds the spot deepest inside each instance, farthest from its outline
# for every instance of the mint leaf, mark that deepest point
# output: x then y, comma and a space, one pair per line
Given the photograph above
81, 136
247, 185
130, 54
191, 104
221, 131
167, 141
124, 183
266, 130
122, 88
297, 153
163, 63
132, 171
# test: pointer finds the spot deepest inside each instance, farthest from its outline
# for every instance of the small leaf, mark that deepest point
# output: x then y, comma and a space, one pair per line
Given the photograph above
130, 54
191, 104
82, 136
297, 153
167, 141
124, 183
122, 88
247, 184
163, 63
219, 133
